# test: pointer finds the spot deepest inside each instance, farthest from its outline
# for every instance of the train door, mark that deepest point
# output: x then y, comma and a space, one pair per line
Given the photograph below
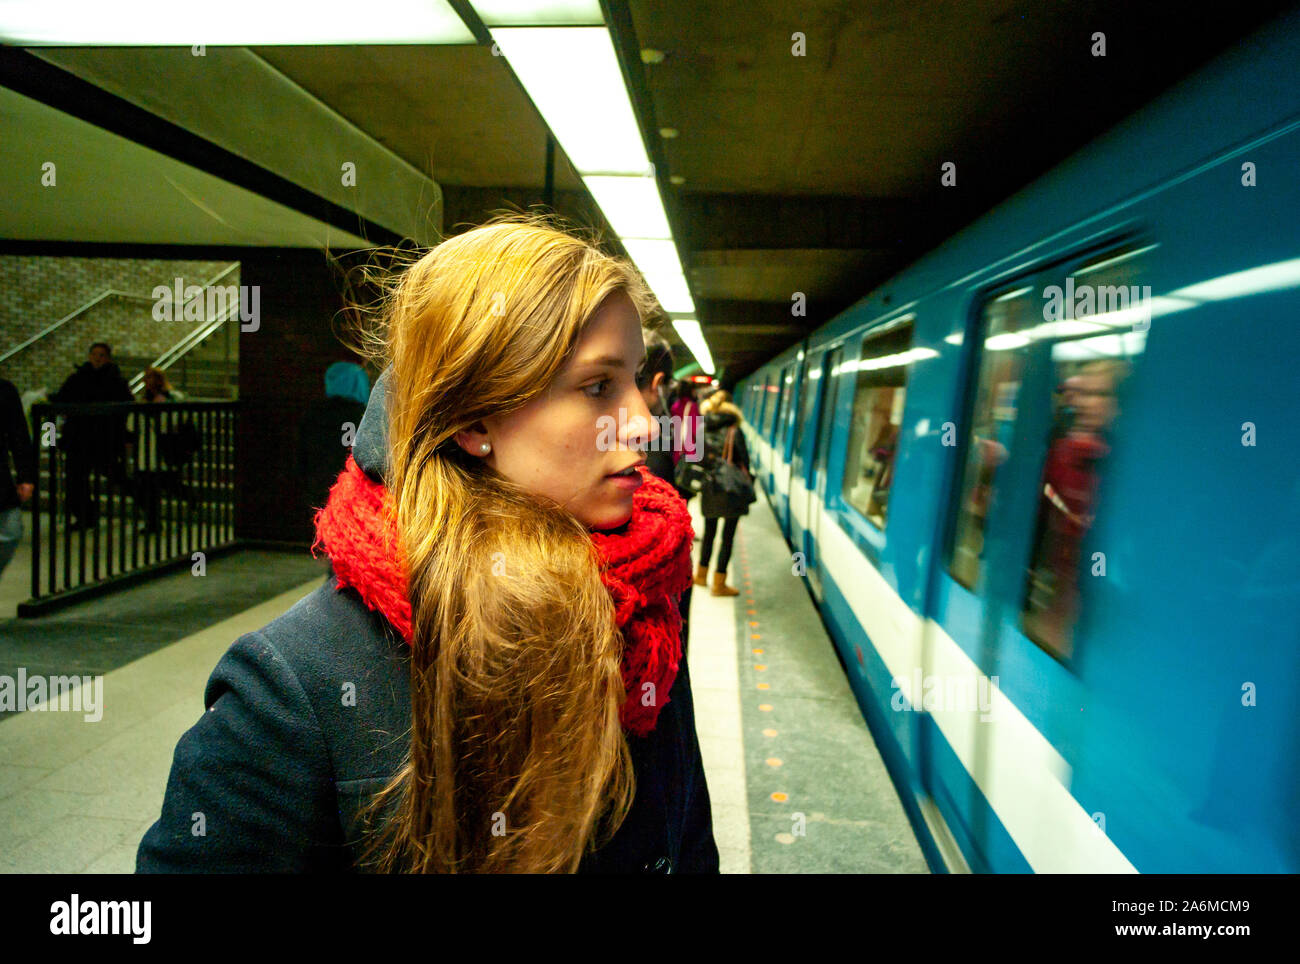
816, 504
781, 456
1007, 598
770, 433
800, 460
761, 410
794, 410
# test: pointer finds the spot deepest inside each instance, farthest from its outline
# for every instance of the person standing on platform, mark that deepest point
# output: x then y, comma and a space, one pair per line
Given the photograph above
654, 374
687, 410
92, 442
18, 483
722, 437
489, 680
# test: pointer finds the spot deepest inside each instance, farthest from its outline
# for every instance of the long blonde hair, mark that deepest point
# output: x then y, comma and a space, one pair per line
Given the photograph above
517, 760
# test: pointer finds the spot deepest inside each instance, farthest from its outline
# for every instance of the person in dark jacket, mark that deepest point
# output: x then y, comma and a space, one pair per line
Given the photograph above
655, 373
16, 484
493, 662
92, 442
326, 433
687, 409
721, 420
159, 445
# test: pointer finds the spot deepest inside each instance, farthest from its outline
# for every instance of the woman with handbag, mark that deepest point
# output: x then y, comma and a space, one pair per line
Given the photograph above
728, 489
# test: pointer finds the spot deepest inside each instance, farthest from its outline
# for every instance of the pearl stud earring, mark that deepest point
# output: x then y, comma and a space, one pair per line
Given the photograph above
485, 448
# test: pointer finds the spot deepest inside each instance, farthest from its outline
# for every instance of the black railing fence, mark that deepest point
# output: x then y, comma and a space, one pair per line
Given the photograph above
123, 489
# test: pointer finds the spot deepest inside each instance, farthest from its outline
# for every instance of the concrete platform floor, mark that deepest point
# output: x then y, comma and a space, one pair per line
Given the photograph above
796, 783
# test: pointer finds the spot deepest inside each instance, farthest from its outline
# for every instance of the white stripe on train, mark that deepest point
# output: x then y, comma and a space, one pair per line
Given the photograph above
1025, 779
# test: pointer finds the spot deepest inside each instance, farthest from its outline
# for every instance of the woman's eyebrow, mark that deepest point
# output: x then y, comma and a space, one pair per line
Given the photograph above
613, 361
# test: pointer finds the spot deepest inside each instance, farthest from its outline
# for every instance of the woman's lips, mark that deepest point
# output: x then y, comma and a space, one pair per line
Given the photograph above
631, 482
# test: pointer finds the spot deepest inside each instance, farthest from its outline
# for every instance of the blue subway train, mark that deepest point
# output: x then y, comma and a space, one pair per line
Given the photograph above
1043, 488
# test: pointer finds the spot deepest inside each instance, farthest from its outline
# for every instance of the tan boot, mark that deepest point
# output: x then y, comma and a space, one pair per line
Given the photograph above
720, 587
701, 575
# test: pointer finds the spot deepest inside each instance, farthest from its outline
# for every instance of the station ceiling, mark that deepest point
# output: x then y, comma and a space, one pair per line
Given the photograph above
804, 143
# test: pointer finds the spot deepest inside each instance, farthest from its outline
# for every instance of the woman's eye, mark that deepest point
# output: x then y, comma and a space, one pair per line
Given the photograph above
597, 385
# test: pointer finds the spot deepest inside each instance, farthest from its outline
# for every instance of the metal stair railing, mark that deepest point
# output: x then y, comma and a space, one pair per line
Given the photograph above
106, 293
192, 340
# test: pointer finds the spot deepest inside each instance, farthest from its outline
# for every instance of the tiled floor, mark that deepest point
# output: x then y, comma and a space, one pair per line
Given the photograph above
78, 796
817, 796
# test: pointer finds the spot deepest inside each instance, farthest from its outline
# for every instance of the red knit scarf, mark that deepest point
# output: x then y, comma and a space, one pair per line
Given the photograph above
645, 565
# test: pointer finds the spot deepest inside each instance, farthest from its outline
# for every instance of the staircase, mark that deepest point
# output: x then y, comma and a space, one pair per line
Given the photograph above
202, 360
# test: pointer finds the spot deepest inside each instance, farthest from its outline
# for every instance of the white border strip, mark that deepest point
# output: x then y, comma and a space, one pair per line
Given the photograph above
1022, 776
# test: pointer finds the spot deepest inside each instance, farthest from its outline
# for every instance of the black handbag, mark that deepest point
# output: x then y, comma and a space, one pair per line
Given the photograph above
689, 476
728, 479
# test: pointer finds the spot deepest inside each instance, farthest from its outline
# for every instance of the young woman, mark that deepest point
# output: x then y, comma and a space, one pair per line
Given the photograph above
490, 680
721, 419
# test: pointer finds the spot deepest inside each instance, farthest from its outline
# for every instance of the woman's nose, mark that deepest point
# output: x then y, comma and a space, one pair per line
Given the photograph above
642, 428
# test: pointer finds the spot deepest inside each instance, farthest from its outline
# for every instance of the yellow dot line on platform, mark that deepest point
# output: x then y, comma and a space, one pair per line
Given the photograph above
772, 762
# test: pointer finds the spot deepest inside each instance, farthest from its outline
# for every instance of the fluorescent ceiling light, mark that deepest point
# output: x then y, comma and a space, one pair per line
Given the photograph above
538, 13
573, 77
631, 205
1127, 345
662, 268
1118, 259
895, 360
167, 23
689, 331
1005, 341
671, 290
1067, 328
1254, 281
1139, 314
656, 257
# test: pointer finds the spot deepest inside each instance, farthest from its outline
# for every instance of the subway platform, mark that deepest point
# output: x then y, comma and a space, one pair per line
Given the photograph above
795, 780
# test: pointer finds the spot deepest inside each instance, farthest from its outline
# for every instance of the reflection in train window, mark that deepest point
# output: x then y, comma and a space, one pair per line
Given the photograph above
773, 398
783, 379
1086, 374
805, 412
877, 416
992, 422
1053, 357
831, 376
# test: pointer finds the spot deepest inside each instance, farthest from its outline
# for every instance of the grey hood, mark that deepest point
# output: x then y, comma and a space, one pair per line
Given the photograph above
370, 448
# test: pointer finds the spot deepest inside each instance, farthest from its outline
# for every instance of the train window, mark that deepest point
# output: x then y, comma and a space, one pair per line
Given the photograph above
992, 422
829, 379
805, 413
773, 399
1052, 358
1087, 370
882, 369
775, 427
787, 390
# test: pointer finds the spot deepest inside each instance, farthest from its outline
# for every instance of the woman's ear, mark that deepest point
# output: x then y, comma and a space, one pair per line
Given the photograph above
474, 440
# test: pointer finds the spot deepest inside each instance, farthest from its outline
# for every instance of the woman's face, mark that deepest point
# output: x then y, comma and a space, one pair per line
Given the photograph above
590, 422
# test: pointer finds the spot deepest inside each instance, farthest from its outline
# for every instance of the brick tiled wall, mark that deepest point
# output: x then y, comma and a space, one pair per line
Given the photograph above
36, 291
281, 370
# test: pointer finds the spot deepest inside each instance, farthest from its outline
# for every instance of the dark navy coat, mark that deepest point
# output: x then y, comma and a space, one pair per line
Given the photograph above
273, 775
